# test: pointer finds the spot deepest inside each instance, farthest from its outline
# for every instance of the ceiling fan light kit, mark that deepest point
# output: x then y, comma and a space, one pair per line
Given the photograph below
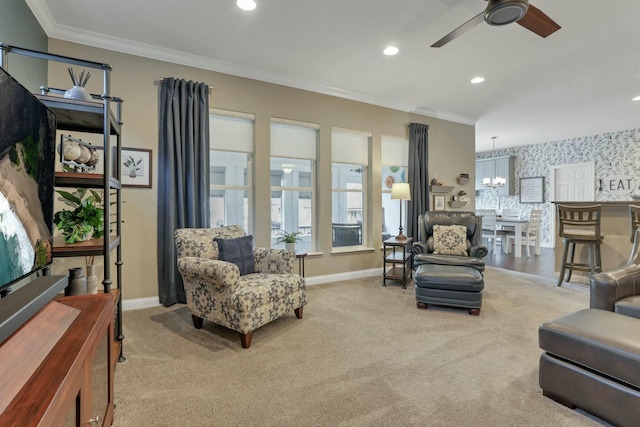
503, 12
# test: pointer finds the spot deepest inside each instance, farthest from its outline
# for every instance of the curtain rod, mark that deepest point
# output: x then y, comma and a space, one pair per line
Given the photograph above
157, 83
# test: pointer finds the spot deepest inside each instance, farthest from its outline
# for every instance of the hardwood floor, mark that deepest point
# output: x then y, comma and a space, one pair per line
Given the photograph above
542, 265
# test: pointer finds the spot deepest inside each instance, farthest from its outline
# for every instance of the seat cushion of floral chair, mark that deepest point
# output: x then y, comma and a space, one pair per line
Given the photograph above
261, 298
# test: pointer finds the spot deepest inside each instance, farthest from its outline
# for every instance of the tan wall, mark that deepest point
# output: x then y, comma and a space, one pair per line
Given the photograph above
452, 148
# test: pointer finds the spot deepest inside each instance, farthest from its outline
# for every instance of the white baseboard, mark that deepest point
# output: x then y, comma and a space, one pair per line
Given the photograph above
316, 280
138, 303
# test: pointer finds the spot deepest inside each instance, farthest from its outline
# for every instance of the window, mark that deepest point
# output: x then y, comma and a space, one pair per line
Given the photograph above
293, 158
395, 158
350, 160
230, 155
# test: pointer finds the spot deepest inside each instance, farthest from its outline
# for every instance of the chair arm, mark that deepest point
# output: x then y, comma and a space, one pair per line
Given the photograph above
214, 274
419, 248
609, 287
478, 251
274, 261
465, 261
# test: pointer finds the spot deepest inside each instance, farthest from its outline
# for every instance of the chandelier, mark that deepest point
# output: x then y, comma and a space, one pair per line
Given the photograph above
496, 181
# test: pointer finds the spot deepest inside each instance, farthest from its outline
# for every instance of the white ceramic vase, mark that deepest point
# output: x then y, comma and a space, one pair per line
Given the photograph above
78, 92
92, 280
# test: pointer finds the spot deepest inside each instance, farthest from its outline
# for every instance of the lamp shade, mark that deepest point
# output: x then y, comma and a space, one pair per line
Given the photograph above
401, 191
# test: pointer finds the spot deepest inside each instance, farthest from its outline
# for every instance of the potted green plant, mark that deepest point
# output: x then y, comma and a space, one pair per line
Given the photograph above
289, 240
86, 218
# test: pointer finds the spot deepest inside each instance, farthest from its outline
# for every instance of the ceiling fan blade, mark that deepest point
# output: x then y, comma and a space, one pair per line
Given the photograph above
461, 29
535, 20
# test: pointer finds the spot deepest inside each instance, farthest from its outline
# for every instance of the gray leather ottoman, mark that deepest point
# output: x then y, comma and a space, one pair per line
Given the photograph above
592, 361
450, 285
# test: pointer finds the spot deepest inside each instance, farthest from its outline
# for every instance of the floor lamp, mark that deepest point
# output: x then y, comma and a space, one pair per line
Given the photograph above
400, 191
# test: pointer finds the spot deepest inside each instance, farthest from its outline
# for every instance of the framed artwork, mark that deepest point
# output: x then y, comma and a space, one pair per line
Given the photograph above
532, 190
438, 202
136, 168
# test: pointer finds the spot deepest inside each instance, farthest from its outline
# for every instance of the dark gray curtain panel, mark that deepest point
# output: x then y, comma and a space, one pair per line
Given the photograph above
418, 175
183, 175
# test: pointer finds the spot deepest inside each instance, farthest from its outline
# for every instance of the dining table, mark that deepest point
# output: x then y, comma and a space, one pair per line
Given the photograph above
519, 225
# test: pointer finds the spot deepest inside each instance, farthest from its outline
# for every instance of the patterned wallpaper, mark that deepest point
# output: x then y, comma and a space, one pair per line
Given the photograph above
615, 154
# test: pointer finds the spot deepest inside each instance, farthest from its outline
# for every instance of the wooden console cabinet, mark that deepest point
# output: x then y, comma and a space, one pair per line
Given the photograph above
58, 368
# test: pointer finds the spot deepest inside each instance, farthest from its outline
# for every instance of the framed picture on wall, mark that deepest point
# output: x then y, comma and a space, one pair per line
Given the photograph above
438, 202
532, 190
135, 164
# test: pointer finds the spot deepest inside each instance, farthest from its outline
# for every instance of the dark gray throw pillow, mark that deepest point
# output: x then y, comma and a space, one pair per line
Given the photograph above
238, 251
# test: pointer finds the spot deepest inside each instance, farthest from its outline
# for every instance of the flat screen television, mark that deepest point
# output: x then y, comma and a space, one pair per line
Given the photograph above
27, 157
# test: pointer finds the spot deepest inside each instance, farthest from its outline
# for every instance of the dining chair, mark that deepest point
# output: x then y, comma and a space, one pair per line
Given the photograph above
530, 235
483, 212
490, 230
510, 214
513, 214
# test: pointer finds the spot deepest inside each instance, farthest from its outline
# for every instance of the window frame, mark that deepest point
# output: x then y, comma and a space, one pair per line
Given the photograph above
339, 138
301, 153
396, 150
248, 187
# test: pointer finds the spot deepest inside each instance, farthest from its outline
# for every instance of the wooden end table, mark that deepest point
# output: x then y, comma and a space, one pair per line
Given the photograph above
300, 255
400, 261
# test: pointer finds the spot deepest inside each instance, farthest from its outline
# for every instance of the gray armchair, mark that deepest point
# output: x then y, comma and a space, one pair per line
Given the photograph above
619, 289
448, 266
423, 248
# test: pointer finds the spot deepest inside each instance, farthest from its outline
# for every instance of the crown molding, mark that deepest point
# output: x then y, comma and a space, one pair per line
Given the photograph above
89, 38
42, 14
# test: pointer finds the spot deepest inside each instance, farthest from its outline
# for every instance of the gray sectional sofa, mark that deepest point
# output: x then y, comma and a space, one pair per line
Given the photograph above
591, 358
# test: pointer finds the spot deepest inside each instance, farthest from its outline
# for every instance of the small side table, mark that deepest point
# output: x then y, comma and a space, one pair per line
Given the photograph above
397, 272
300, 256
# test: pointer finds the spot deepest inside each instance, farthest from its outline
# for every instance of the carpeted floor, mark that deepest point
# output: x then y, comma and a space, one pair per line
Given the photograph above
363, 355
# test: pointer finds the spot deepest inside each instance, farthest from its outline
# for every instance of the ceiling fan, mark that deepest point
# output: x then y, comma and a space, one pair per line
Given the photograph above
502, 12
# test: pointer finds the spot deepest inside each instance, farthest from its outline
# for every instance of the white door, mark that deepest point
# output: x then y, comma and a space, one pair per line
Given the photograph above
570, 183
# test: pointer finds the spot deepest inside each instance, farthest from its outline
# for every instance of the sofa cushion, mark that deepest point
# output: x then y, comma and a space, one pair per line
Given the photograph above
467, 261
238, 251
599, 340
450, 240
629, 306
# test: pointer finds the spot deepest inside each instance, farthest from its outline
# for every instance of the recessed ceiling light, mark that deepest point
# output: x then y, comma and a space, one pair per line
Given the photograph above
246, 4
477, 80
390, 50
637, 98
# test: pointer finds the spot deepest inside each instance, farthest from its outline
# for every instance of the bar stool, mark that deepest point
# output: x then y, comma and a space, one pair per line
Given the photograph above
580, 225
634, 213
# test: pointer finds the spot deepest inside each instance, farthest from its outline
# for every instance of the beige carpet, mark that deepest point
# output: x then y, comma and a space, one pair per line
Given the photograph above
363, 355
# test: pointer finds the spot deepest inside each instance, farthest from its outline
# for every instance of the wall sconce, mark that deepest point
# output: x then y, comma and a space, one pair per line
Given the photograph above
287, 169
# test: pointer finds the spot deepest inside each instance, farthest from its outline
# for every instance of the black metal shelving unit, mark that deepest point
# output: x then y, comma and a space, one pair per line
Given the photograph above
98, 117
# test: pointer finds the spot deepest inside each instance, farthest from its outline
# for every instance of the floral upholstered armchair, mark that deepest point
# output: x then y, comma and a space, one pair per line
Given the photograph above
216, 290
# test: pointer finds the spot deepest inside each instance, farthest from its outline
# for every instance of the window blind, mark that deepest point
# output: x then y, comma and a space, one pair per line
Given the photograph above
294, 141
349, 146
231, 132
395, 151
